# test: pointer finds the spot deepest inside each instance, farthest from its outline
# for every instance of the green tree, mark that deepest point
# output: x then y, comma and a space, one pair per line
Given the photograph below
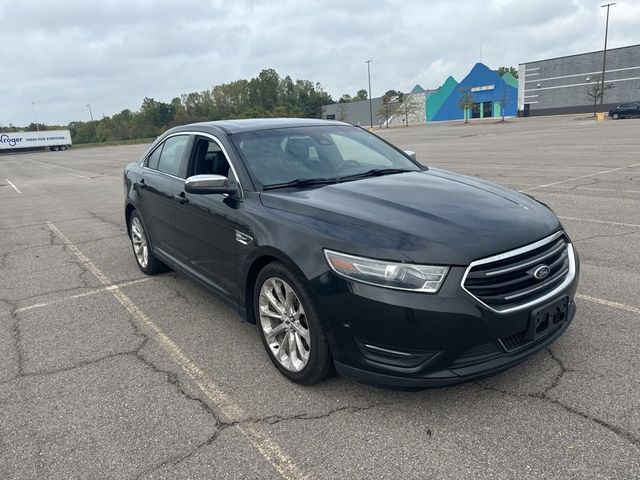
512, 70
466, 103
504, 97
155, 116
409, 107
360, 95
595, 91
392, 93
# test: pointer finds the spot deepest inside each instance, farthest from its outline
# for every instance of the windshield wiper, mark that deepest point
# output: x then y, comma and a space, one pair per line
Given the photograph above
376, 172
301, 182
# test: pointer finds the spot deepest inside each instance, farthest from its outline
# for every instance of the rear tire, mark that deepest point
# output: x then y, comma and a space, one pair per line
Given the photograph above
146, 260
290, 327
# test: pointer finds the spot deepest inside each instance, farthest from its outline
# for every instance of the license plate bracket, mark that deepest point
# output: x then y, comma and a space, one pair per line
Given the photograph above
548, 318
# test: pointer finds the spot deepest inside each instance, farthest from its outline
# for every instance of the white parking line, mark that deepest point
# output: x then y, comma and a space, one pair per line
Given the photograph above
265, 444
620, 224
95, 291
581, 176
13, 186
80, 176
609, 303
597, 189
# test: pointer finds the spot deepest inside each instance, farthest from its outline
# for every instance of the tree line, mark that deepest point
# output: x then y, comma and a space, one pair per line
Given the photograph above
267, 95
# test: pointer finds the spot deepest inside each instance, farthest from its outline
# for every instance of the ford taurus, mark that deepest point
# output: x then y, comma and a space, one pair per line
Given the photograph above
349, 254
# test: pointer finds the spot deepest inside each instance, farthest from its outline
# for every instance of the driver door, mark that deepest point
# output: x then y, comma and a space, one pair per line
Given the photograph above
205, 224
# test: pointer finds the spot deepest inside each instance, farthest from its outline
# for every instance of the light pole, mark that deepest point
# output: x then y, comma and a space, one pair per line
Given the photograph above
604, 54
92, 124
33, 106
105, 125
90, 113
368, 62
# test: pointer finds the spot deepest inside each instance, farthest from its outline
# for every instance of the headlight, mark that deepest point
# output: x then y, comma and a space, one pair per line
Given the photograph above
402, 276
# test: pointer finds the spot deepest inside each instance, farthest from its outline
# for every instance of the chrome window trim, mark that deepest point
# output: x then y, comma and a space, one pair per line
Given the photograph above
518, 251
202, 134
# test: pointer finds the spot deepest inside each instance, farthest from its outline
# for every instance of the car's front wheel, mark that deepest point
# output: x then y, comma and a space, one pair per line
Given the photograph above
145, 258
289, 326
615, 116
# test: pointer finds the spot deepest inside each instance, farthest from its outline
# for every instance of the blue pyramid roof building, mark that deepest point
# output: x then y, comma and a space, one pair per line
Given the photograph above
485, 85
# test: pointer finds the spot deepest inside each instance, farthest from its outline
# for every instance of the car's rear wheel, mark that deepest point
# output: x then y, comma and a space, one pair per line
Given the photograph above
615, 116
289, 326
145, 258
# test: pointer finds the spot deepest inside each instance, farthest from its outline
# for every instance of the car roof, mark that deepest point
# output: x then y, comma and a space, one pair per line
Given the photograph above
254, 124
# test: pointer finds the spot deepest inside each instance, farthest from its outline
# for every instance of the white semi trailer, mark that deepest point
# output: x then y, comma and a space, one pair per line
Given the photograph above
52, 139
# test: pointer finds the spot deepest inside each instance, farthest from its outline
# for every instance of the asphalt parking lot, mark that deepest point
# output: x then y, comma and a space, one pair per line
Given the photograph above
106, 373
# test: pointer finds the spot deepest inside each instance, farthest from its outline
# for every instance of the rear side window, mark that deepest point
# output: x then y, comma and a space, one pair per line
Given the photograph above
172, 154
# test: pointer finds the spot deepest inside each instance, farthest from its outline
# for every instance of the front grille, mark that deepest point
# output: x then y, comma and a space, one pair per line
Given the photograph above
507, 282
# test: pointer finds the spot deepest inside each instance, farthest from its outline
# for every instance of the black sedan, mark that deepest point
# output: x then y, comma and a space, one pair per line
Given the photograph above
625, 110
349, 254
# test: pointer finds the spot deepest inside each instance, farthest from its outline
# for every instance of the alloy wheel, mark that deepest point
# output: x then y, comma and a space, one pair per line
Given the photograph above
284, 323
139, 241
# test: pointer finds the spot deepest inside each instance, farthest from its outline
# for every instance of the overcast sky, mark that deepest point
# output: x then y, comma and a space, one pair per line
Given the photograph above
65, 54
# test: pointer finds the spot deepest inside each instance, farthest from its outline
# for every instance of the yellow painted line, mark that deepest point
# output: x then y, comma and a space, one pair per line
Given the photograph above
609, 303
265, 444
95, 291
12, 185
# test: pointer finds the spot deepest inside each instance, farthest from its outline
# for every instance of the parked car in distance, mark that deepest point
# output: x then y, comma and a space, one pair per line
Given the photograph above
625, 110
349, 254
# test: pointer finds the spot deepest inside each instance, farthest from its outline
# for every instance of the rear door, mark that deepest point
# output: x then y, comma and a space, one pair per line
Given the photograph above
162, 180
206, 224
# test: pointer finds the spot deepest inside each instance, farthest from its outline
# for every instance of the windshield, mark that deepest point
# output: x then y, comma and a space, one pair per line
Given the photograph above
284, 155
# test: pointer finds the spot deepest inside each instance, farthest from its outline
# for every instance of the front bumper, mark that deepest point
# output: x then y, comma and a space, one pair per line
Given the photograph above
407, 339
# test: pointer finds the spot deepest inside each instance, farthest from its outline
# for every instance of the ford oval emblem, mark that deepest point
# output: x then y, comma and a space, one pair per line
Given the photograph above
541, 272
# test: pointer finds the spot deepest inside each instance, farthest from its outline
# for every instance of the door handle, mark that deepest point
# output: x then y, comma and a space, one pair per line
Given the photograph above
181, 198
142, 184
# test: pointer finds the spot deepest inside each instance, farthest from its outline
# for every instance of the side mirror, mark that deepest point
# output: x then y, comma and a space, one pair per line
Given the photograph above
410, 154
208, 184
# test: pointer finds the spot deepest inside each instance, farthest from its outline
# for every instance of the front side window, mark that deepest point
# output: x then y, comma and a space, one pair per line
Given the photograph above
208, 159
172, 154
317, 152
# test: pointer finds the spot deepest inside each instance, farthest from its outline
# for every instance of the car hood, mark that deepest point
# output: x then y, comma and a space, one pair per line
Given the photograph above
433, 216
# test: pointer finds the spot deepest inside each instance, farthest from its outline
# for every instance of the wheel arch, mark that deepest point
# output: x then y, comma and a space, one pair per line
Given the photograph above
128, 210
249, 274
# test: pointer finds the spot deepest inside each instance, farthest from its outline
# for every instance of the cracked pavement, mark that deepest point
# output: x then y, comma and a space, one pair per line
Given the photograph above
86, 392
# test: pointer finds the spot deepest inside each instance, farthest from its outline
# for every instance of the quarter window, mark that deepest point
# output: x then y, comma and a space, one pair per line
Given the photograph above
172, 154
154, 157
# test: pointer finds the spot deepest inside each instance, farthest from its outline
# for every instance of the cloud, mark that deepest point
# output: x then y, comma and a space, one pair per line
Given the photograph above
113, 53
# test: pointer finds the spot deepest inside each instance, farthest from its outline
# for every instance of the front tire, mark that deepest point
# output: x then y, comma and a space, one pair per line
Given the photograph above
289, 326
146, 260
615, 116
